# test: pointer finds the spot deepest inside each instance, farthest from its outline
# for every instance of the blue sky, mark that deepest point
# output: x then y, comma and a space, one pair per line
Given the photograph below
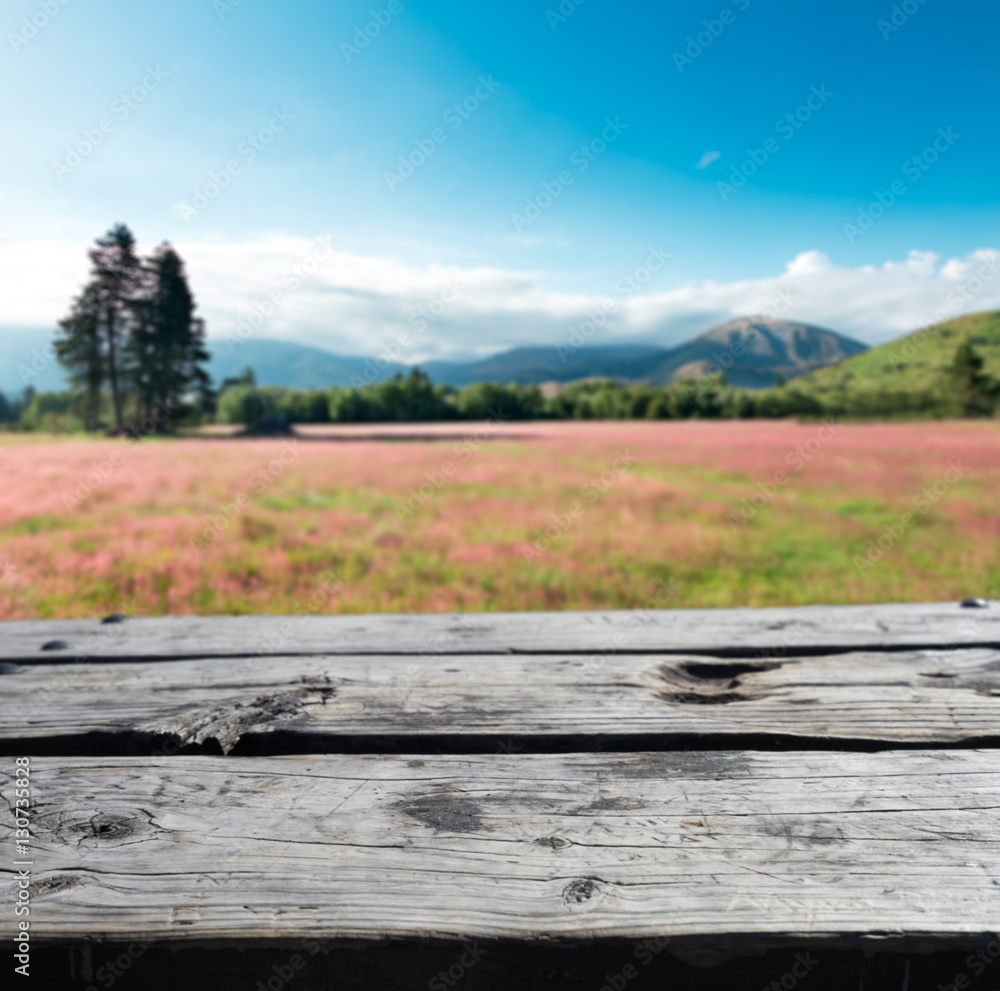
539, 85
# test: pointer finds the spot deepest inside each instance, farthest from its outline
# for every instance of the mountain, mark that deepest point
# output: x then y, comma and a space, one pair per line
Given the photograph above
753, 352
274, 363
915, 362
534, 365
24, 360
295, 365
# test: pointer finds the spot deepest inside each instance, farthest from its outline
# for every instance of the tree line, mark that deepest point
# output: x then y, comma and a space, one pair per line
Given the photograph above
966, 391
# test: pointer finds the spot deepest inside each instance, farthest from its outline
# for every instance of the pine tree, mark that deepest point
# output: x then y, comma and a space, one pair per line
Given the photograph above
973, 388
116, 272
133, 327
79, 348
168, 343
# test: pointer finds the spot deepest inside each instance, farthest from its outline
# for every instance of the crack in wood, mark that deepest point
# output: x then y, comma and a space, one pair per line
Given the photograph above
616, 804
228, 721
711, 765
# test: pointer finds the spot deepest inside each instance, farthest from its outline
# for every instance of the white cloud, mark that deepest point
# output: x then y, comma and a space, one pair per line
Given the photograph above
873, 304
809, 263
354, 303
706, 160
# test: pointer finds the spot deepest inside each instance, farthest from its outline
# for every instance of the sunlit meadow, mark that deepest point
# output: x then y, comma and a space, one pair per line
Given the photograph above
531, 516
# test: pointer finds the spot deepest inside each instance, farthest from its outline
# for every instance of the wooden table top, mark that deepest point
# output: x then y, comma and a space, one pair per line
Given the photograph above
822, 776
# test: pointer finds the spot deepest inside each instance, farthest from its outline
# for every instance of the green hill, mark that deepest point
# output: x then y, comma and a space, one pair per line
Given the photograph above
916, 363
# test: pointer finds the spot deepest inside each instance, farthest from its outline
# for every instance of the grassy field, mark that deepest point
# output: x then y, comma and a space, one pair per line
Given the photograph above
918, 361
532, 516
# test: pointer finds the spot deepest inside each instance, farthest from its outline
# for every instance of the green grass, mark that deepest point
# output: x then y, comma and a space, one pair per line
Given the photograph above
37, 524
863, 509
914, 363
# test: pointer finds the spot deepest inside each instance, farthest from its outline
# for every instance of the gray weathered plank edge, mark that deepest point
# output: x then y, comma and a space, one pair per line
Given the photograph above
729, 846
733, 631
914, 697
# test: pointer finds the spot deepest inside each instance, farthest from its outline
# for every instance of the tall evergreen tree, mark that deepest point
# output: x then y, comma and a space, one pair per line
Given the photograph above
116, 273
133, 328
167, 347
974, 389
79, 348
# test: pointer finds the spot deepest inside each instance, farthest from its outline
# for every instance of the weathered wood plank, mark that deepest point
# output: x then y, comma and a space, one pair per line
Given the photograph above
732, 847
913, 697
731, 631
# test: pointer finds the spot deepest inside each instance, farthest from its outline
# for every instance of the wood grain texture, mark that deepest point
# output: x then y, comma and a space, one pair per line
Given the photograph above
734, 631
728, 847
912, 697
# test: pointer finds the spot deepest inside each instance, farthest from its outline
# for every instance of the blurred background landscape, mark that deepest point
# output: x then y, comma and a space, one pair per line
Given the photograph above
433, 307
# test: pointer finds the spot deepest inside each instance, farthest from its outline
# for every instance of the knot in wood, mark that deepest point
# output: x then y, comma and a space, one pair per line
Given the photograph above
51, 885
709, 683
102, 828
580, 890
553, 842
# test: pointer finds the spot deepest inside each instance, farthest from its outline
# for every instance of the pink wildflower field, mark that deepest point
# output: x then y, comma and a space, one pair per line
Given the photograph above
466, 517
